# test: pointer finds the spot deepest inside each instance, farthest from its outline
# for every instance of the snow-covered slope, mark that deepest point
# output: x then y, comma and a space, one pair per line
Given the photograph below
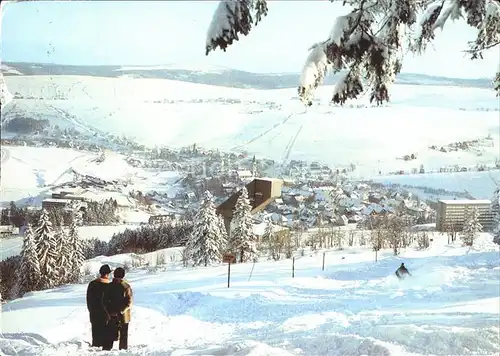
175, 113
30, 173
480, 185
355, 307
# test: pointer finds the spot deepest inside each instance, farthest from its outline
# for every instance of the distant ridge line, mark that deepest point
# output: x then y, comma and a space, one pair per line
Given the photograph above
218, 76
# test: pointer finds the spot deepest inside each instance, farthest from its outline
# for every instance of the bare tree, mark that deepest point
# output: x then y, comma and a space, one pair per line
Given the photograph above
350, 237
423, 241
338, 238
362, 239
395, 227
280, 242
288, 243
451, 230
376, 241
369, 42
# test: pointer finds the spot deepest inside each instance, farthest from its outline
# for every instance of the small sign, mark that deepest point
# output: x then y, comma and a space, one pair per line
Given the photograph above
228, 258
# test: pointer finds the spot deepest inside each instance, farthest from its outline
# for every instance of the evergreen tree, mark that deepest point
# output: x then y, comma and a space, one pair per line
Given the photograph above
472, 227
63, 254
30, 268
223, 231
495, 207
47, 251
270, 240
205, 244
242, 239
76, 252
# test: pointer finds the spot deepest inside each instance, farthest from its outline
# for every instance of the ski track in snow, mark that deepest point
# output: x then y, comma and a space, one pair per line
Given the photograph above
355, 307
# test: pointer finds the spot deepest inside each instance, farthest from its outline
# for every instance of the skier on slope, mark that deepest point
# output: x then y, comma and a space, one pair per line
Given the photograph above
402, 272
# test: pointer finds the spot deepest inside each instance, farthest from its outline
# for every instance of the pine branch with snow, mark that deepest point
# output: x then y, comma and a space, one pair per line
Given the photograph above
206, 243
472, 227
231, 19
369, 41
483, 15
242, 239
496, 83
30, 273
47, 250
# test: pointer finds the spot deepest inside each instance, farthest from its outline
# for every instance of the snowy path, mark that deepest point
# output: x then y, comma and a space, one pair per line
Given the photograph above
355, 307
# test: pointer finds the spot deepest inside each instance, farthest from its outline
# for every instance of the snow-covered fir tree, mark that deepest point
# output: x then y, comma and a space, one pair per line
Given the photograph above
47, 251
206, 243
495, 207
471, 228
368, 42
222, 229
76, 248
269, 239
242, 240
268, 231
30, 268
62, 254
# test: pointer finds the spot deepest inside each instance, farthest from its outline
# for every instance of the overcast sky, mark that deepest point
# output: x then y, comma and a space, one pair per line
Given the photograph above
165, 32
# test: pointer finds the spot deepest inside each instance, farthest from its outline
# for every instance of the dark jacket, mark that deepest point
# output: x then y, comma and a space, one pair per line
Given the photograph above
95, 292
402, 272
117, 300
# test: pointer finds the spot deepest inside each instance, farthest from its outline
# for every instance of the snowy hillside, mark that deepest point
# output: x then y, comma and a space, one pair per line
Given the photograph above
30, 173
480, 185
355, 307
265, 122
202, 73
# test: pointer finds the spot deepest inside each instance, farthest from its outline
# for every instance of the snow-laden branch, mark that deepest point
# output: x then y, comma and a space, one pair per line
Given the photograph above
231, 19
489, 30
348, 87
313, 73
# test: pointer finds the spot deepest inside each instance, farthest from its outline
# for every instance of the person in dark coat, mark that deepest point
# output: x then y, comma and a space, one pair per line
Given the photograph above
98, 316
117, 301
402, 272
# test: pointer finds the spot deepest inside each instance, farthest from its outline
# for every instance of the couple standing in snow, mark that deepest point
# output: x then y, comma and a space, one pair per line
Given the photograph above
109, 304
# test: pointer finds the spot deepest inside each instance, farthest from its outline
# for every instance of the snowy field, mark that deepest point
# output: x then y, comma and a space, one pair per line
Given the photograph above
28, 173
481, 185
264, 122
355, 307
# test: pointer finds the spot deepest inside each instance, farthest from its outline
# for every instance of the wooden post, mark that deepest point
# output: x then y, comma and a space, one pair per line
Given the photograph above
293, 267
323, 268
228, 258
